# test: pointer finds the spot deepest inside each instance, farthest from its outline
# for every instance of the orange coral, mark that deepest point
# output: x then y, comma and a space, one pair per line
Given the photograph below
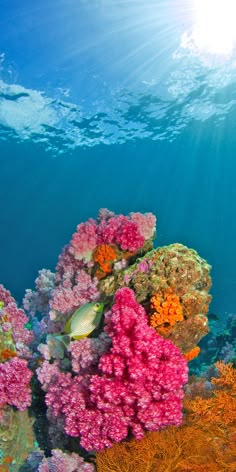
104, 255
227, 377
168, 309
8, 459
6, 354
190, 355
204, 443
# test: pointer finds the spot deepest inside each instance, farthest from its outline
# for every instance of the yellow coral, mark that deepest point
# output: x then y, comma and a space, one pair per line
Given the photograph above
167, 309
104, 255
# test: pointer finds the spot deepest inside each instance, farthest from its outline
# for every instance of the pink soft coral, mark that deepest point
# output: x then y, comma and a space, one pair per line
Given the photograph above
146, 223
5, 295
14, 384
122, 231
84, 241
109, 228
138, 386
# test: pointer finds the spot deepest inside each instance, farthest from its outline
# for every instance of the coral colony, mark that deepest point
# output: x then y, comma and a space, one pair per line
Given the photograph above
82, 399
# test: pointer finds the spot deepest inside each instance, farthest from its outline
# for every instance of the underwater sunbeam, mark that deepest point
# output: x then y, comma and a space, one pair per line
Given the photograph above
214, 31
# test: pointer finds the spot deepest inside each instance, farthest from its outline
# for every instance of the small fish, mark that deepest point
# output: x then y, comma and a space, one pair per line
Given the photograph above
83, 321
212, 317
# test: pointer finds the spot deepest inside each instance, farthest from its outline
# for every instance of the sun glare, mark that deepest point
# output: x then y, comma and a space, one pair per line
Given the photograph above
214, 31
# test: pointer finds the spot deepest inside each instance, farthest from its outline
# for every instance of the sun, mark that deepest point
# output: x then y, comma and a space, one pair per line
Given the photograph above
214, 30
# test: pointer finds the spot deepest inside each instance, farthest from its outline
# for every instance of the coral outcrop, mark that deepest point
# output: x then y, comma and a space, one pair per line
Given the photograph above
128, 376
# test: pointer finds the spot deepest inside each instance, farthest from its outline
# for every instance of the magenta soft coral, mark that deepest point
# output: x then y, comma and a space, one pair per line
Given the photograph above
122, 231
109, 228
138, 385
129, 237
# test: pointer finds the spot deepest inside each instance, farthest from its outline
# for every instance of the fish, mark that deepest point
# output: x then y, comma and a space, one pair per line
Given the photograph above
82, 322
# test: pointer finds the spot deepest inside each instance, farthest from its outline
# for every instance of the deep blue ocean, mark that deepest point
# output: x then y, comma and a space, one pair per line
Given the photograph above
102, 104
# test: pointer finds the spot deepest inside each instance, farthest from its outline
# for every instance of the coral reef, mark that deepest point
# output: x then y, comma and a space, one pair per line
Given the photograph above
128, 376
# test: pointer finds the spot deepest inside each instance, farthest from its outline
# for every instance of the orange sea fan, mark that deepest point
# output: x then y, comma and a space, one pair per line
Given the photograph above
104, 255
227, 377
167, 309
220, 408
176, 449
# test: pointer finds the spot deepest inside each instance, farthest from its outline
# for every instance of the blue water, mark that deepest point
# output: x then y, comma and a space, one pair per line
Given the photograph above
100, 107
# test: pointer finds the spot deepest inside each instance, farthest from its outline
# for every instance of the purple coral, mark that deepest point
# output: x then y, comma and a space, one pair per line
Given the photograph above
37, 301
66, 298
87, 352
138, 385
65, 462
